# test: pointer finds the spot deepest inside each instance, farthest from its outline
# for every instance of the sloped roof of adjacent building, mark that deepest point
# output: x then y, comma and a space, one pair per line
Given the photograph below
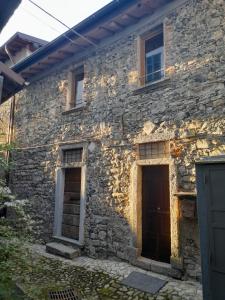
18, 41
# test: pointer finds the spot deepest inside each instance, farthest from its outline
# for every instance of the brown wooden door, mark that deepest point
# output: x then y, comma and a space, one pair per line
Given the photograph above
156, 213
71, 205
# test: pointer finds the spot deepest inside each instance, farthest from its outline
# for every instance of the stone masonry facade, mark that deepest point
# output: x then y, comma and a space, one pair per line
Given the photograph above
186, 109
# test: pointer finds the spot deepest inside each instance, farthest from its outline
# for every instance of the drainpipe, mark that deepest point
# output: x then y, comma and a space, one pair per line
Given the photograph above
9, 54
1, 87
11, 124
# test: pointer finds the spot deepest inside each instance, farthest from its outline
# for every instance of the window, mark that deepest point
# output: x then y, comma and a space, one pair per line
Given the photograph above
72, 155
79, 86
154, 150
152, 56
75, 97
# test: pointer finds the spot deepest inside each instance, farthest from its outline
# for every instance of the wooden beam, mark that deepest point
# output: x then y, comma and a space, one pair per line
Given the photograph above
54, 59
35, 68
107, 30
65, 52
131, 17
94, 40
45, 63
117, 24
29, 71
71, 48
17, 78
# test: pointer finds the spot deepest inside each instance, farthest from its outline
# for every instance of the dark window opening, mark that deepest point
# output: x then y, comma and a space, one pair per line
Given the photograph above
72, 155
154, 150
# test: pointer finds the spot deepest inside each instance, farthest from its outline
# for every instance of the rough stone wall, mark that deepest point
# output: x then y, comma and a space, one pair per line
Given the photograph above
4, 121
188, 109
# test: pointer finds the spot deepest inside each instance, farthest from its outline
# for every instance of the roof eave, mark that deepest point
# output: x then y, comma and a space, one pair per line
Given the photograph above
104, 13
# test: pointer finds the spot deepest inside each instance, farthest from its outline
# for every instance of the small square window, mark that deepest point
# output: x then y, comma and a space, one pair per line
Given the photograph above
152, 56
72, 155
154, 150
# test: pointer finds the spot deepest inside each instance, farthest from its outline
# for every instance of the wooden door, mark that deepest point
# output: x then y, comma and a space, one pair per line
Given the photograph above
156, 213
71, 205
211, 215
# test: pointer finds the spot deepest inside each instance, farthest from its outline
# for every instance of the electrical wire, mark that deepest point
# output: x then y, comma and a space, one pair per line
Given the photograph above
62, 23
40, 20
50, 26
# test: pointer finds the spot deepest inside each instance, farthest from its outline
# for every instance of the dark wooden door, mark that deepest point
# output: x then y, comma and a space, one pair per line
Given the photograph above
211, 215
156, 213
71, 205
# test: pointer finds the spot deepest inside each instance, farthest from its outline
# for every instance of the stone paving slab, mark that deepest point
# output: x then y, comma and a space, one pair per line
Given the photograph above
143, 282
117, 270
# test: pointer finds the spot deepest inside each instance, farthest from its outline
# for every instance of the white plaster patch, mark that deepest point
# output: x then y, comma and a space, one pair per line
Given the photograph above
91, 147
149, 127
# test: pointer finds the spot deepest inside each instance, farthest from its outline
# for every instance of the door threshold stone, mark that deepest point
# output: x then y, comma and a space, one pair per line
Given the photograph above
67, 241
157, 267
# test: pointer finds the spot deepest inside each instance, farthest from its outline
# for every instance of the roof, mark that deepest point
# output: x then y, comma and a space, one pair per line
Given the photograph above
7, 8
18, 41
108, 21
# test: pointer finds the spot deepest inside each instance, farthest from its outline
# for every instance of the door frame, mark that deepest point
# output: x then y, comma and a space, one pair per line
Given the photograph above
59, 192
136, 206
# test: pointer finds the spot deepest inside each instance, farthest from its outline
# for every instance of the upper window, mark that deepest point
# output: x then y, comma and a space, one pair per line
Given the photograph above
75, 96
79, 87
152, 56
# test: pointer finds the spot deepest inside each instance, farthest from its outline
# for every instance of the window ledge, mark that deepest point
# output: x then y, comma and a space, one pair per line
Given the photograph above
77, 108
152, 86
186, 195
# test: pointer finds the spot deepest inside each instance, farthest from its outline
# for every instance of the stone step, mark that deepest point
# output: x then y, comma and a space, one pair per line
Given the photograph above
62, 250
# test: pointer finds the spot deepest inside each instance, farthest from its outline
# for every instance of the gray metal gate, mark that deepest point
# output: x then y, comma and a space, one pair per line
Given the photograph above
211, 215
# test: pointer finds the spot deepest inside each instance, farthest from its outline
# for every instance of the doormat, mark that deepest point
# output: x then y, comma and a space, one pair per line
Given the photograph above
144, 283
68, 294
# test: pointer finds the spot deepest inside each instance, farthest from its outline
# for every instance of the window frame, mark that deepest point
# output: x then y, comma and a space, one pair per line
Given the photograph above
71, 92
142, 54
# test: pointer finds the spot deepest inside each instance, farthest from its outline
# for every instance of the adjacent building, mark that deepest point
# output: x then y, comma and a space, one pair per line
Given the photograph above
17, 48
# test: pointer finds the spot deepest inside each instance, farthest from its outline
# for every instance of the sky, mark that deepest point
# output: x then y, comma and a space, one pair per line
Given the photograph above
30, 20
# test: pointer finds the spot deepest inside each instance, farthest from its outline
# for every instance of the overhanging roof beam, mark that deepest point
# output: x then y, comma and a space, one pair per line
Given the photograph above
107, 30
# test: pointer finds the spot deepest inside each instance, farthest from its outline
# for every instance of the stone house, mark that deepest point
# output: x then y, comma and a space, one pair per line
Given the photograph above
109, 128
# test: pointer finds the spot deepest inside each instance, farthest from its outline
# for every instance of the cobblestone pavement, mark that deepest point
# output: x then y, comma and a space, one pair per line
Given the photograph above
106, 275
